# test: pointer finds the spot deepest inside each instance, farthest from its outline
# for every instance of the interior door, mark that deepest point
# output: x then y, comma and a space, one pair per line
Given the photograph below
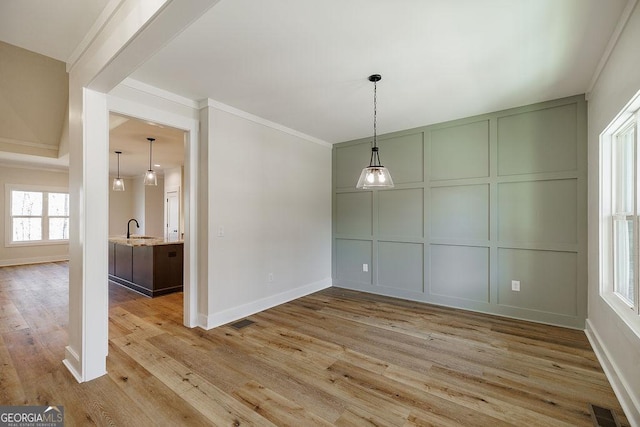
173, 215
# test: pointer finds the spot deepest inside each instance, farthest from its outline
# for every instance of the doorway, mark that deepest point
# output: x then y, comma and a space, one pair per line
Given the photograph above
186, 194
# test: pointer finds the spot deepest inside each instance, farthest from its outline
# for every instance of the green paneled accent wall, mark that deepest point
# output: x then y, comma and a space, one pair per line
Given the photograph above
478, 203
401, 213
460, 212
460, 151
400, 266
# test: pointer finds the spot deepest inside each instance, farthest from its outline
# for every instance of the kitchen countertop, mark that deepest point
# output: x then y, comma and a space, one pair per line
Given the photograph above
143, 241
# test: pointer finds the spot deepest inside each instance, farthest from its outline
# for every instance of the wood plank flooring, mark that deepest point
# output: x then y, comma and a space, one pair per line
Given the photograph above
336, 357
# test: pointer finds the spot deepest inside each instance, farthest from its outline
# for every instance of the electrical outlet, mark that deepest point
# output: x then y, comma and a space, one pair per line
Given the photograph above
365, 267
221, 231
515, 285
270, 277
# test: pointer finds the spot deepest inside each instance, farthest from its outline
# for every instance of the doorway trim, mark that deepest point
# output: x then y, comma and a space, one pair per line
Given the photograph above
190, 125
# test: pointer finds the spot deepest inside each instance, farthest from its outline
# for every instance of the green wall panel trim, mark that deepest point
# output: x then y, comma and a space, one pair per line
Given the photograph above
538, 211
460, 272
544, 140
548, 280
350, 256
460, 151
400, 266
403, 156
348, 162
492, 185
353, 213
460, 212
400, 213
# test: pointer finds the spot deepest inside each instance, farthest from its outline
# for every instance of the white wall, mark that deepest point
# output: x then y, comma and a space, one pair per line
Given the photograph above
271, 193
617, 345
29, 254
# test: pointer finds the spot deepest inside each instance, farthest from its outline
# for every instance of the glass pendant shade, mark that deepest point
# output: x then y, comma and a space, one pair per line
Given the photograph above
375, 177
150, 177
118, 183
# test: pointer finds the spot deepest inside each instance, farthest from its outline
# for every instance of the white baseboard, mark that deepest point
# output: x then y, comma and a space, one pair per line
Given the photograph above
33, 260
623, 392
202, 321
232, 314
72, 362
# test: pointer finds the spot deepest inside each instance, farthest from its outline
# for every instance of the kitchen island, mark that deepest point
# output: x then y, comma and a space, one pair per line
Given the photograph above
148, 265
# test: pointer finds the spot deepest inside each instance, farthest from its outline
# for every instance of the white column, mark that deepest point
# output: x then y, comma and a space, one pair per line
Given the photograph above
86, 353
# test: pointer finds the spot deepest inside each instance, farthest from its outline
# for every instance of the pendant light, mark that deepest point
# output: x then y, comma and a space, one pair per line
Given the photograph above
375, 175
118, 183
150, 176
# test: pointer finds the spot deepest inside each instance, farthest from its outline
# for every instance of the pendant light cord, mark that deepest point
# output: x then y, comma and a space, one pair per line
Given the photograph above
150, 150
375, 112
118, 154
375, 158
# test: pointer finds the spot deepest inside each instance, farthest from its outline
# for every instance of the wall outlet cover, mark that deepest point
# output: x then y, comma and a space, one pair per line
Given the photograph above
515, 285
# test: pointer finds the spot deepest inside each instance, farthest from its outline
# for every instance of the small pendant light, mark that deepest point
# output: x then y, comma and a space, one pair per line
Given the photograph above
150, 176
375, 175
118, 183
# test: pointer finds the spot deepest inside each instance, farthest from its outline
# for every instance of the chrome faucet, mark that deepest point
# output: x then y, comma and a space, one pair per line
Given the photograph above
128, 224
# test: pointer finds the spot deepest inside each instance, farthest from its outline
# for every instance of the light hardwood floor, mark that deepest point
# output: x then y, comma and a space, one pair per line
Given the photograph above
332, 358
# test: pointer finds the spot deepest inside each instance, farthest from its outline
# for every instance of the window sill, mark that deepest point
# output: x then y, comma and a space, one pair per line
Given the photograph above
626, 314
36, 243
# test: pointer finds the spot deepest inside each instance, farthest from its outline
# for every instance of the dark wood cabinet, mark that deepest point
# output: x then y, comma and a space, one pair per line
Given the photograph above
151, 270
123, 266
112, 258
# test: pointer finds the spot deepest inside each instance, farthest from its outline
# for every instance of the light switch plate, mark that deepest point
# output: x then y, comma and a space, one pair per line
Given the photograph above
515, 285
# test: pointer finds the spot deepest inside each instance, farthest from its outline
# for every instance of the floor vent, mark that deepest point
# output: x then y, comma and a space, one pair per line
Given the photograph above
603, 417
242, 324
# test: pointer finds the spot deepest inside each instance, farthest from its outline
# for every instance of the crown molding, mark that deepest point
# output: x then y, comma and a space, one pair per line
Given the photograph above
232, 110
104, 17
208, 102
613, 41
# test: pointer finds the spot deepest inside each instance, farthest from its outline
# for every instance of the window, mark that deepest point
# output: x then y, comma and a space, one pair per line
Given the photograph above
624, 214
619, 214
36, 215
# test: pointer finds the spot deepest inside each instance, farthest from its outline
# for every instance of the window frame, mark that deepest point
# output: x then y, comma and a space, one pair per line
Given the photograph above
630, 215
45, 190
627, 118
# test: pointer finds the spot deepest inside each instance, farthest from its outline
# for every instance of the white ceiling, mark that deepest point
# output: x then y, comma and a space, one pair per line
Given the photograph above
51, 27
304, 64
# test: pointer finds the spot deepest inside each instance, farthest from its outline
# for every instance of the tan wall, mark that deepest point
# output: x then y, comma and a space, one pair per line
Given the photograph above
145, 204
33, 105
120, 208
